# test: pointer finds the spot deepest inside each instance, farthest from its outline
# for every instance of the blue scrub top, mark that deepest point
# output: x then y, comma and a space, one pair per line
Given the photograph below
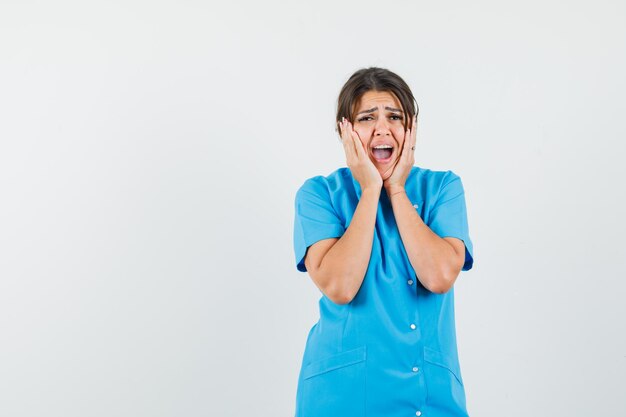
392, 350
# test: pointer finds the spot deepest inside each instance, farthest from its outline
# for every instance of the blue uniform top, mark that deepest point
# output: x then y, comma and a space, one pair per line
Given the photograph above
392, 350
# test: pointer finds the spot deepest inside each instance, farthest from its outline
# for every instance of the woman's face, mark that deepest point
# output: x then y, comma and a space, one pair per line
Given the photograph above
379, 121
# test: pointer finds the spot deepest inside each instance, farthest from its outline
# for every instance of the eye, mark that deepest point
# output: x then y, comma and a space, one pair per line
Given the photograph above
393, 117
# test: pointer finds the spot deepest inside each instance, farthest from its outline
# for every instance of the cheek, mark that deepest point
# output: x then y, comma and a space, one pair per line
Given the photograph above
364, 136
399, 134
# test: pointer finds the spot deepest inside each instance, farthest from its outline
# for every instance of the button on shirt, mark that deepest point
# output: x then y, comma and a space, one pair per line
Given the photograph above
392, 350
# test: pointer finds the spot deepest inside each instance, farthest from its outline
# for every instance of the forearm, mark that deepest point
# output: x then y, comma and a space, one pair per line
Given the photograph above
431, 257
346, 262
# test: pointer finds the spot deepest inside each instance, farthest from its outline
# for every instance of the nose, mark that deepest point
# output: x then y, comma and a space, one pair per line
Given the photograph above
382, 127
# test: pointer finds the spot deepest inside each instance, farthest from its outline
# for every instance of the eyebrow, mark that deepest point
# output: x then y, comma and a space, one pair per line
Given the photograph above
373, 109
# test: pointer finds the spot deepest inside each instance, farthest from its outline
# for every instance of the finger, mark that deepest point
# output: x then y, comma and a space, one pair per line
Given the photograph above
410, 141
405, 145
350, 139
347, 141
358, 146
414, 138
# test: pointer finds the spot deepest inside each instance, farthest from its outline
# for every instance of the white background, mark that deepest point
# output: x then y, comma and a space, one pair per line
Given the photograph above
149, 158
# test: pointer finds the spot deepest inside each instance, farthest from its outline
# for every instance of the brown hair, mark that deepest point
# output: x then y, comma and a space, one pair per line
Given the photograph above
374, 79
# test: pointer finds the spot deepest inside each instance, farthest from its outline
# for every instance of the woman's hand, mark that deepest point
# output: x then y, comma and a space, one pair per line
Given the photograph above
359, 162
402, 168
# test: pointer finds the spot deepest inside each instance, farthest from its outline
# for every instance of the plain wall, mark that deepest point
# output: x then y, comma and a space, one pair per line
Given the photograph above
149, 158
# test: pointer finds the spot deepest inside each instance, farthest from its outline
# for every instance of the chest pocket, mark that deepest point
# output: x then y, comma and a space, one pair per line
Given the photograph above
334, 386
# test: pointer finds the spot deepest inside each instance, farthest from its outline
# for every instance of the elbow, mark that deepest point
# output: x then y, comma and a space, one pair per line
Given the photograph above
332, 286
342, 299
445, 279
440, 288
340, 295
442, 283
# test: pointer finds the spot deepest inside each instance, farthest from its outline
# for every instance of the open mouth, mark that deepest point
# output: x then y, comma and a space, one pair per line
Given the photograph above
382, 154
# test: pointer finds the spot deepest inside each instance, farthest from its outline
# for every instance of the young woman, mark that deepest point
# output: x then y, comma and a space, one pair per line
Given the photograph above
384, 241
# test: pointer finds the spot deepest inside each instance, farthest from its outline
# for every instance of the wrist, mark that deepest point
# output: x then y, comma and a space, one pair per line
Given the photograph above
371, 190
391, 191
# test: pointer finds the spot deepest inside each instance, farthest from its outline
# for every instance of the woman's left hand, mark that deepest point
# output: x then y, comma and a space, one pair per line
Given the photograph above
402, 168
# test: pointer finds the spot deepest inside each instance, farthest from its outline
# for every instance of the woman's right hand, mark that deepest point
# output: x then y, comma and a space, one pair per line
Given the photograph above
359, 162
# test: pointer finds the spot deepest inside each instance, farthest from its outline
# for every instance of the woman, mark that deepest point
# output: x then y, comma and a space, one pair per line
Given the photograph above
384, 241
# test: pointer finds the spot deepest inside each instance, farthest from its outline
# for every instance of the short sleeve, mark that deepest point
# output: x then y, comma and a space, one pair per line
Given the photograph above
448, 217
315, 218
